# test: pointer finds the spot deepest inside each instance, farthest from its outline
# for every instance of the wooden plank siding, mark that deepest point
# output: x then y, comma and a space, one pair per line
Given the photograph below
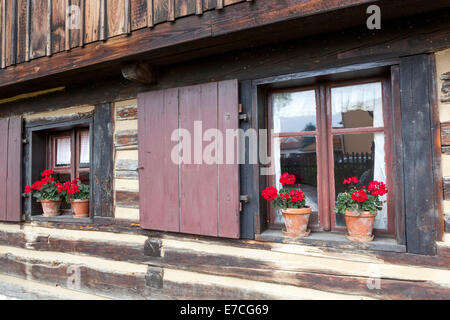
50, 30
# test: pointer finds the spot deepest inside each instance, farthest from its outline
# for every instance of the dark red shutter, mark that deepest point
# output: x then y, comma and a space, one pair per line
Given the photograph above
196, 198
10, 169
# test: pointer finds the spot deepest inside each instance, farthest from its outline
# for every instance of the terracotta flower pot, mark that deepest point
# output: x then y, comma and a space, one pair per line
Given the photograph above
360, 226
80, 208
51, 208
296, 222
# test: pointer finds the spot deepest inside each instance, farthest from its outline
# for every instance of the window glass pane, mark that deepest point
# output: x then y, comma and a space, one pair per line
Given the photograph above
84, 148
357, 106
63, 152
361, 156
84, 177
297, 156
294, 111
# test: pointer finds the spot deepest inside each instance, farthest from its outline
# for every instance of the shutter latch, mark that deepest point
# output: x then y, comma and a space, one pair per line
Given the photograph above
242, 199
242, 116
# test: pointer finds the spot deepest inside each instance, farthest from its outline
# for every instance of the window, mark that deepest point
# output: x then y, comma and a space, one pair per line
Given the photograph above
64, 147
328, 132
68, 155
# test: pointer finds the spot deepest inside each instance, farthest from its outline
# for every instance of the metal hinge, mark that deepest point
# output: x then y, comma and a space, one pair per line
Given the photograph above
25, 141
242, 199
242, 116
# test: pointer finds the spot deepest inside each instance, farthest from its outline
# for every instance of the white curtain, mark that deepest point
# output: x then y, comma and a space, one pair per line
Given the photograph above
84, 147
379, 174
63, 151
364, 97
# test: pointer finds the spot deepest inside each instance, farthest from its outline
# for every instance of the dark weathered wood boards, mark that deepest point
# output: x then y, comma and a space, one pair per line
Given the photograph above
102, 165
421, 211
184, 191
10, 169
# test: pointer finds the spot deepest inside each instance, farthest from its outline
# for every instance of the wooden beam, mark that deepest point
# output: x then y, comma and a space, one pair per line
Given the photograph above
189, 29
140, 72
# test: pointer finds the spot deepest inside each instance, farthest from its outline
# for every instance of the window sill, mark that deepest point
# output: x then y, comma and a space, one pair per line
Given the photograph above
62, 218
335, 240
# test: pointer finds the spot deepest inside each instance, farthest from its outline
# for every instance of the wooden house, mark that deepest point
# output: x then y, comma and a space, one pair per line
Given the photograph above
95, 89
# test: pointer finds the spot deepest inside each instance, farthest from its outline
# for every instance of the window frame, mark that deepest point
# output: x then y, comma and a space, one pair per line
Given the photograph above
38, 137
324, 148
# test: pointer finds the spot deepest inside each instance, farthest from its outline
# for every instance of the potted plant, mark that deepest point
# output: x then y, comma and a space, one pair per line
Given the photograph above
360, 207
78, 195
293, 206
48, 192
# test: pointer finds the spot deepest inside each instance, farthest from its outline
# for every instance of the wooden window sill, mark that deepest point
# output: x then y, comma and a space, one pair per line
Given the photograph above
335, 240
66, 218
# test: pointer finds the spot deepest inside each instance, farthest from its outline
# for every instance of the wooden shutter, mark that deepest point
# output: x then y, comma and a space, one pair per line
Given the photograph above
10, 169
196, 198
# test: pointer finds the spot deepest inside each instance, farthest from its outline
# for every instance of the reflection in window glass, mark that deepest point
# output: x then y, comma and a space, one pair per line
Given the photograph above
84, 148
357, 106
297, 156
63, 152
294, 111
361, 156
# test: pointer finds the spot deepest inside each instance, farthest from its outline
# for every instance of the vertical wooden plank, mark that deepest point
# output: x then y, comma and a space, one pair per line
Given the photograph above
82, 21
58, 26
199, 197
10, 32
13, 53
21, 30
67, 18
219, 4
171, 10
4, 50
92, 21
4, 123
127, 16
28, 32
160, 11
158, 174
228, 175
103, 20
115, 17
48, 48
198, 6
421, 214
38, 29
76, 30
139, 14
102, 163
150, 13
184, 8
14, 174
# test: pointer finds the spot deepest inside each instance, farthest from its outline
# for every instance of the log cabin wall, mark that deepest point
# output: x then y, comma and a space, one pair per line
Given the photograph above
443, 82
115, 258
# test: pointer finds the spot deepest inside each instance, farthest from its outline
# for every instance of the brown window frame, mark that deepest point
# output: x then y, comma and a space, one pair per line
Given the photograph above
324, 151
75, 145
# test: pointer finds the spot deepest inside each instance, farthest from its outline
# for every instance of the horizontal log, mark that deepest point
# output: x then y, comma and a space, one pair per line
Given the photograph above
445, 87
126, 140
127, 165
127, 199
445, 134
446, 185
118, 251
126, 174
126, 113
103, 283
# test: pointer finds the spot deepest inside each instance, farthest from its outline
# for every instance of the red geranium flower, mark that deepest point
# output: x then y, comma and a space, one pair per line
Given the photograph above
270, 193
351, 180
377, 188
28, 189
287, 179
359, 196
47, 172
296, 195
